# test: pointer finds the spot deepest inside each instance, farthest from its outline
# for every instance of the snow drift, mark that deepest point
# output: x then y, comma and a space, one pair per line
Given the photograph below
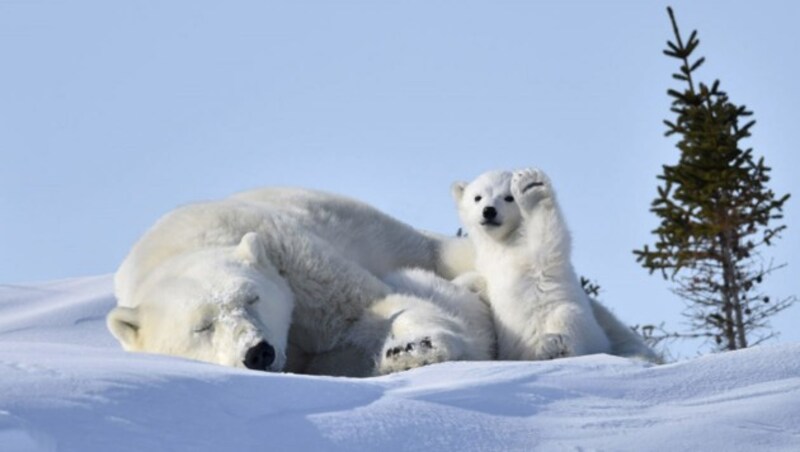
66, 385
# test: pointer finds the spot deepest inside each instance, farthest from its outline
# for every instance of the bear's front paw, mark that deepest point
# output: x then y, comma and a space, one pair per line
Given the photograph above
528, 186
527, 179
399, 355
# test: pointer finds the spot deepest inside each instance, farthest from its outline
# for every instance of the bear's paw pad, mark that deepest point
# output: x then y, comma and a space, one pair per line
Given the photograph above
405, 355
523, 181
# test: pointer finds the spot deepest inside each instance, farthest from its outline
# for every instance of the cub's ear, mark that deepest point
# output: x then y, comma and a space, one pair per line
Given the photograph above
251, 249
124, 325
457, 190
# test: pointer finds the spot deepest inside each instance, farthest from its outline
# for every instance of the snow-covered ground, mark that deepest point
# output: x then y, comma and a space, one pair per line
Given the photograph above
65, 385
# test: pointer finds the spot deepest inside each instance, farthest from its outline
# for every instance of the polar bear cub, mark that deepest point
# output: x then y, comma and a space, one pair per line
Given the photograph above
522, 248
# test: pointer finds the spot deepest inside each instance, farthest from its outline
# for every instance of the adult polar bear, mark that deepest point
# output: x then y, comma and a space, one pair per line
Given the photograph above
522, 249
296, 280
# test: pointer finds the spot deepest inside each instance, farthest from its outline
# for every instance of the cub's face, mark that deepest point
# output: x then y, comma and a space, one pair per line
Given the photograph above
226, 306
486, 206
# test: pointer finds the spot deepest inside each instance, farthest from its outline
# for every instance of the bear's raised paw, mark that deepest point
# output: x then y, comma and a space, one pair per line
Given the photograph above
529, 186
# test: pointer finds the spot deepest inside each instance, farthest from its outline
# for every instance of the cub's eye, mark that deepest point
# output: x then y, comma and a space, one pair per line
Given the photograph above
204, 327
478, 198
251, 301
509, 198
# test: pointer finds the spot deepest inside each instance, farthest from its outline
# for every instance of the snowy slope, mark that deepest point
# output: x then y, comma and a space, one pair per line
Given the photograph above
65, 385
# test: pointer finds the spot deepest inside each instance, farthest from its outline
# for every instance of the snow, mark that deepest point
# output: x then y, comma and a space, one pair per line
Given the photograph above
66, 385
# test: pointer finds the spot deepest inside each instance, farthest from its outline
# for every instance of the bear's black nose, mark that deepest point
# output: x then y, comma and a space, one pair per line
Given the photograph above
489, 213
260, 356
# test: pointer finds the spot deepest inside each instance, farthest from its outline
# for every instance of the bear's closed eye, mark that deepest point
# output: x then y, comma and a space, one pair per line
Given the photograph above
253, 300
204, 327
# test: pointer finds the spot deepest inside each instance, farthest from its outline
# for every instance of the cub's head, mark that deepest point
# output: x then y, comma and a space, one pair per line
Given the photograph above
486, 206
226, 305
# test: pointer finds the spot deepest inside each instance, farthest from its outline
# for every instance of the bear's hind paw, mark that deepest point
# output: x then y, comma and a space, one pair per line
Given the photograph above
554, 346
409, 354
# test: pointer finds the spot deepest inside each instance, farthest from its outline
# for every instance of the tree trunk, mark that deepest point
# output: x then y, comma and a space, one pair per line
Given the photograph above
736, 295
728, 295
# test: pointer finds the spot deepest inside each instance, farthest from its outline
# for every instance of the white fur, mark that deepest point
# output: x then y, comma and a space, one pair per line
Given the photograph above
523, 254
470, 334
302, 271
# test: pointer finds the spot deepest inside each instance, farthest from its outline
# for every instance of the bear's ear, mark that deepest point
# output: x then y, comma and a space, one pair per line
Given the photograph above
457, 190
124, 324
251, 249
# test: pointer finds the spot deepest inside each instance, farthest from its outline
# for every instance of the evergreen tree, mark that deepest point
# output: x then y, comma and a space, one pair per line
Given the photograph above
716, 212
591, 288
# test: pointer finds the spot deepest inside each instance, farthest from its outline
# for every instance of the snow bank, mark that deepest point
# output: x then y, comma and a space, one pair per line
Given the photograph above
65, 385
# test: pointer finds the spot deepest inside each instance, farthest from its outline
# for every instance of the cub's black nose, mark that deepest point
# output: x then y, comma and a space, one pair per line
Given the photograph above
489, 213
260, 356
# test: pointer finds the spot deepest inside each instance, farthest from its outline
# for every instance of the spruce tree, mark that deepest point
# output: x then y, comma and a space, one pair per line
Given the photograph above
716, 212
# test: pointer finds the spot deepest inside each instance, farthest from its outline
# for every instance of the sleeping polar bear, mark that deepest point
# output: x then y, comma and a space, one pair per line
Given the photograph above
296, 280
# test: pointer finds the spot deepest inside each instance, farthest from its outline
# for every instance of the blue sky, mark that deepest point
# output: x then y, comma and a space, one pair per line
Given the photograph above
113, 113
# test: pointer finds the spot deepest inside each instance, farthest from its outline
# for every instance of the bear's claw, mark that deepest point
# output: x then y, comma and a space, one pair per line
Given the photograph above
554, 346
411, 354
409, 347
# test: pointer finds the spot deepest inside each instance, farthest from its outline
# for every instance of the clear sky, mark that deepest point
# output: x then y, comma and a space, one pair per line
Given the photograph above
114, 112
